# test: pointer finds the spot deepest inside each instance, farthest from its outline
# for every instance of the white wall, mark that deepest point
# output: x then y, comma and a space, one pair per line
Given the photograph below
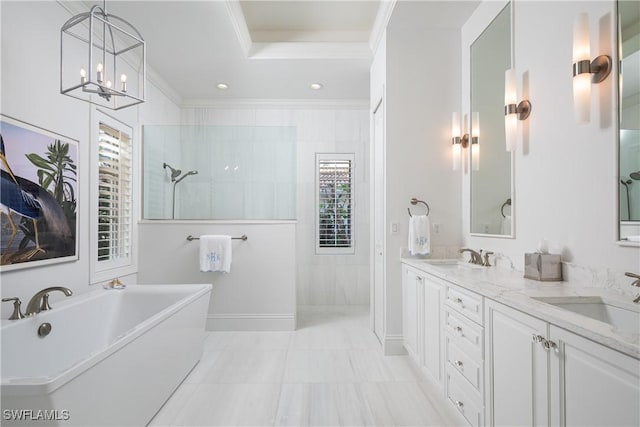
565, 174
420, 79
30, 92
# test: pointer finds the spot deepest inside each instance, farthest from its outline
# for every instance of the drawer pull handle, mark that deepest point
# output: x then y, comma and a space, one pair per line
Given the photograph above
458, 363
458, 300
537, 338
459, 404
458, 329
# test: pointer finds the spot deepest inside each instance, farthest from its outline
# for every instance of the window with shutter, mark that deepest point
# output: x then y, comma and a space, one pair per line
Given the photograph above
114, 195
334, 196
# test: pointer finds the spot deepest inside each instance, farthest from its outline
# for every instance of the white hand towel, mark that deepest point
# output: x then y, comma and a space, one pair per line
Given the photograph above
215, 253
419, 235
505, 225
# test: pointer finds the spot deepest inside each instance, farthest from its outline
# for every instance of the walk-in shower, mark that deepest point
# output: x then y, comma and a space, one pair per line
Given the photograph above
243, 172
176, 178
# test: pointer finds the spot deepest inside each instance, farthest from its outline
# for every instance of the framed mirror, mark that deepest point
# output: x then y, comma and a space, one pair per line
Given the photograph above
490, 164
629, 123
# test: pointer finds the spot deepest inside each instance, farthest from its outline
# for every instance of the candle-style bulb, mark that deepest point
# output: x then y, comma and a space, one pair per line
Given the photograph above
83, 75
123, 83
123, 78
99, 69
109, 84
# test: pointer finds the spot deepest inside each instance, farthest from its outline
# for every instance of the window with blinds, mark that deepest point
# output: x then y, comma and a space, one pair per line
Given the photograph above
334, 213
114, 194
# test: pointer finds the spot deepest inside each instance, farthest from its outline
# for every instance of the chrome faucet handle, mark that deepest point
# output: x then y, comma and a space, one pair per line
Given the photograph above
634, 276
486, 262
17, 314
44, 305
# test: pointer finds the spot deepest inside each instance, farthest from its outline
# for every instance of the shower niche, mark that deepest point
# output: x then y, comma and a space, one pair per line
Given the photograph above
219, 172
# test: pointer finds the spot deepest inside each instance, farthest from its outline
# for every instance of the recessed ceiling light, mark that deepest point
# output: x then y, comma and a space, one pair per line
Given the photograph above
222, 86
316, 86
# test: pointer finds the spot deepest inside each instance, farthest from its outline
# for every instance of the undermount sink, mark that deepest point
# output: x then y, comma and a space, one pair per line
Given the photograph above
621, 315
452, 264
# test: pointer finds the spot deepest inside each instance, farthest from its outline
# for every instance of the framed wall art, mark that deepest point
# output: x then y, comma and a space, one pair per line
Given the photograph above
39, 196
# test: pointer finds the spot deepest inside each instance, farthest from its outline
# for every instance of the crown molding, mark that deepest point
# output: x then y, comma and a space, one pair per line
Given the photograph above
380, 24
329, 104
322, 50
239, 25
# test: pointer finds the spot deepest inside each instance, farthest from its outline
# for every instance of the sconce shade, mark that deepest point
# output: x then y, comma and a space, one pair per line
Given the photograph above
456, 145
581, 81
456, 155
475, 141
102, 60
510, 119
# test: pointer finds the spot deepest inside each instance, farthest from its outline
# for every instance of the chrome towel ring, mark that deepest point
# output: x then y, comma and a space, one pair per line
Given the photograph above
507, 203
414, 202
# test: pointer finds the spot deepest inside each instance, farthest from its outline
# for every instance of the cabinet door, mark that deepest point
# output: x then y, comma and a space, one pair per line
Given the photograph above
432, 336
516, 368
592, 385
410, 312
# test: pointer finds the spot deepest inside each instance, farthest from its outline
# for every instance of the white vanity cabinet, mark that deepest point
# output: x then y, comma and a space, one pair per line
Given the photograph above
422, 321
540, 374
516, 368
464, 363
591, 384
411, 311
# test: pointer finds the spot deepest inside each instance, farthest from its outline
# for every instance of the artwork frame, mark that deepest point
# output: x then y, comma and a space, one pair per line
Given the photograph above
39, 213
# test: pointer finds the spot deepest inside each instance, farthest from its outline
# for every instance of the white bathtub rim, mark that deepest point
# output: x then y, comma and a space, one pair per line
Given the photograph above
30, 386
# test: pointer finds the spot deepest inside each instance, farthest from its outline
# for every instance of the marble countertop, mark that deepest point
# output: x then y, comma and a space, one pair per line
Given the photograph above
510, 288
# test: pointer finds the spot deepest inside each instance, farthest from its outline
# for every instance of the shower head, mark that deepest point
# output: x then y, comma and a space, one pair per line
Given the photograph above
635, 175
186, 175
174, 172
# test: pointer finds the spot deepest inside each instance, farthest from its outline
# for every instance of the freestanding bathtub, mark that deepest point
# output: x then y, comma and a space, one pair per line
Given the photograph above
113, 357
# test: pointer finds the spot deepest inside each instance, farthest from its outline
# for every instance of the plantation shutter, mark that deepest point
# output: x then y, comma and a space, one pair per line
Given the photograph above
335, 203
114, 194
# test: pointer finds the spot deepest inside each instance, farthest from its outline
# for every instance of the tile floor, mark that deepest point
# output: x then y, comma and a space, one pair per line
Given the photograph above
329, 372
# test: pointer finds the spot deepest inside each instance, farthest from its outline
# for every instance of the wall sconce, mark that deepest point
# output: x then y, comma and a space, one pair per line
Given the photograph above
475, 141
513, 111
585, 71
457, 142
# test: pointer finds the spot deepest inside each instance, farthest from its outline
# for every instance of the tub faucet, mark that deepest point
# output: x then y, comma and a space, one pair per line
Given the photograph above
40, 301
635, 283
476, 258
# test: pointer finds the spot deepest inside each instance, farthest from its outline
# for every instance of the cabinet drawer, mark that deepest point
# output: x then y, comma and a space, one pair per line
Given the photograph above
466, 334
461, 394
465, 302
468, 366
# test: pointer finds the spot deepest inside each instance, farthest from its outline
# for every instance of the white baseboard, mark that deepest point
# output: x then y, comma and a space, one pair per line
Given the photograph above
393, 345
251, 322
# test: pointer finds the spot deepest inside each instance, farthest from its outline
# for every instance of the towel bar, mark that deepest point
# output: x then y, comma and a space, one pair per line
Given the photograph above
243, 237
415, 201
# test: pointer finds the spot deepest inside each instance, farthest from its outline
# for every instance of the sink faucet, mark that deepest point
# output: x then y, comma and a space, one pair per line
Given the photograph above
476, 258
634, 283
40, 301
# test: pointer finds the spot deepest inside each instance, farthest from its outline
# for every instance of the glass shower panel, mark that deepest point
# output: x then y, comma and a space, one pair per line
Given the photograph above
226, 172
